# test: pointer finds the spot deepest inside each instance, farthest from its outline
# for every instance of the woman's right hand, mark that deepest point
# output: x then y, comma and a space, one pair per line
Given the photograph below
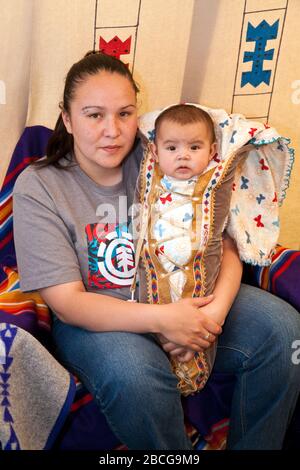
184, 324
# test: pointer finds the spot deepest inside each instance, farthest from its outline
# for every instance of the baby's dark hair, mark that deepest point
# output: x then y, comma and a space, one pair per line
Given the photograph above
186, 114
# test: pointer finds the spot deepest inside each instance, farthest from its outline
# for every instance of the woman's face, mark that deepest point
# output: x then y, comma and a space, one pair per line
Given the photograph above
103, 121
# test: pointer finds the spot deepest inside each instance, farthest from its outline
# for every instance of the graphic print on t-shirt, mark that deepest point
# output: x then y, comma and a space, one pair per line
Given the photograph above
111, 255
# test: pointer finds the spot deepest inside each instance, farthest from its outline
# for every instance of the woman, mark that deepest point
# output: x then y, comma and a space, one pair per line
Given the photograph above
80, 247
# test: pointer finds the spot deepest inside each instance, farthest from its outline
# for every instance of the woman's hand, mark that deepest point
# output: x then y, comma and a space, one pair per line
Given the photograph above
184, 354
183, 324
215, 311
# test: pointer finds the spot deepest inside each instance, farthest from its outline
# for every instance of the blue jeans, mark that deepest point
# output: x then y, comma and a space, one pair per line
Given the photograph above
130, 376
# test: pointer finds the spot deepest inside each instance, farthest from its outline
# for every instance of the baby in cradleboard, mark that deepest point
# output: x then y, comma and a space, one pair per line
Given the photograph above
185, 190
183, 147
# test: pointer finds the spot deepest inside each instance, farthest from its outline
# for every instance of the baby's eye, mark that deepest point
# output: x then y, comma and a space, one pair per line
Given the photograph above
195, 147
171, 148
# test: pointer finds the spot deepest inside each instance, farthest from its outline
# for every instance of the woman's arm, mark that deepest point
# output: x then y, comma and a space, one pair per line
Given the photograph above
180, 322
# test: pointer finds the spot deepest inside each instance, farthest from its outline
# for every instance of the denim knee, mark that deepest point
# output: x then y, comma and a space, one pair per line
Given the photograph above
138, 379
288, 335
282, 324
139, 392
259, 327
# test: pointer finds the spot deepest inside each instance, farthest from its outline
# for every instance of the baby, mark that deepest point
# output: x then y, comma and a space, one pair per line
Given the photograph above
198, 177
184, 145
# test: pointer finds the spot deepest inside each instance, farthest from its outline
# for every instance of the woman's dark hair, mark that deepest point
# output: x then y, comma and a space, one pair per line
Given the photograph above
61, 142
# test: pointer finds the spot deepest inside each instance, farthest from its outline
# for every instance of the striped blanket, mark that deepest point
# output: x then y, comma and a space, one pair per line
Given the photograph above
281, 278
43, 406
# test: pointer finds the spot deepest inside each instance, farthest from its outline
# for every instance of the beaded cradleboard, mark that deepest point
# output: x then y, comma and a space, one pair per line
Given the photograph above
241, 189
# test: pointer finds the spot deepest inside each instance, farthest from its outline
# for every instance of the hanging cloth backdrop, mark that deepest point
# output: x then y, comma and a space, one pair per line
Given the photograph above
229, 54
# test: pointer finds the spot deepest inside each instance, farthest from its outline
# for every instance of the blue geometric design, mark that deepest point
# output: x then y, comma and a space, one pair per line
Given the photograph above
245, 182
260, 35
261, 253
166, 183
232, 137
225, 123
12, 443
260, 198
5, 393
5, 402
4, 376
7, 336
280, 147
235, 210
187, 217
7, 416
151, 135
160, 230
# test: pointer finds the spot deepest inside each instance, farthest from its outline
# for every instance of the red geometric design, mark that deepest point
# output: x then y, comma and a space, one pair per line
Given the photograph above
165, 199
258, 221
115, 47
160, 250
252, 130
263, 166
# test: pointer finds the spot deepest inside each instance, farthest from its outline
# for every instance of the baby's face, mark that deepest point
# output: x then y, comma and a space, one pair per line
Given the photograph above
183, 151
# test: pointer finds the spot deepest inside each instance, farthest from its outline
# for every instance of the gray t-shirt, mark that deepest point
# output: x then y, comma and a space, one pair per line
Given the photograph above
69, 228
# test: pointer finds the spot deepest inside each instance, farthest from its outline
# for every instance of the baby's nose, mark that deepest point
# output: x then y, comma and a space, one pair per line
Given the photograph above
184, 154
